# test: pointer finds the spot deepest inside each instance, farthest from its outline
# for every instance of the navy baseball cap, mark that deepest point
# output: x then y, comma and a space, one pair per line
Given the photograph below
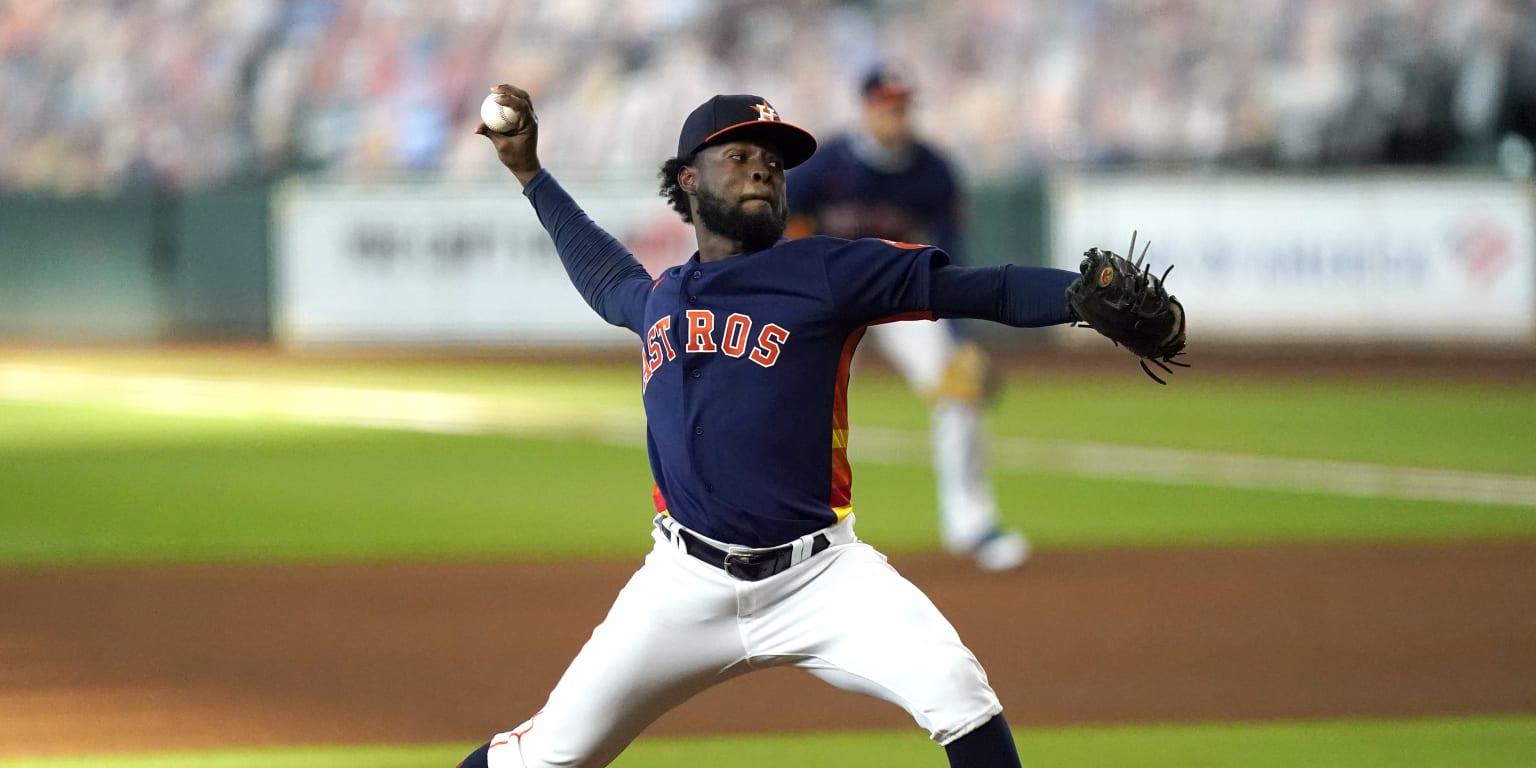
741, 116
886, 86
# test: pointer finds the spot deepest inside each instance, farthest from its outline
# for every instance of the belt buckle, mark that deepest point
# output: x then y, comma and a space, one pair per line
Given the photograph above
743, 565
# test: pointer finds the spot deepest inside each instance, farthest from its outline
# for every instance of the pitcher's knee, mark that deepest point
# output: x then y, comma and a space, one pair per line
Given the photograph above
966, 701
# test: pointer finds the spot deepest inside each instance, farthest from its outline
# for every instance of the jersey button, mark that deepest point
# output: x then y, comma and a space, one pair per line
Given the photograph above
693, 299
696, 373
696, 274
698, 430
709, 487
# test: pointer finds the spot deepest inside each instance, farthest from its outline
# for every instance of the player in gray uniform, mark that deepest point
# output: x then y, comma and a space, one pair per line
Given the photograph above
745, 351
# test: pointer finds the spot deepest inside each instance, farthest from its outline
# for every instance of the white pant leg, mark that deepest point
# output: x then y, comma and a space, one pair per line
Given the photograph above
921, 351
918, 349
967, 506
850, 619
670, 634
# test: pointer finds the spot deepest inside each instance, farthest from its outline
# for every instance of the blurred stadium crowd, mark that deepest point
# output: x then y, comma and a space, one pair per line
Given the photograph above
102, 95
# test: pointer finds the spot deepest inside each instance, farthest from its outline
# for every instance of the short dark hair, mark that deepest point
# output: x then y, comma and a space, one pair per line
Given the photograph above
673, 191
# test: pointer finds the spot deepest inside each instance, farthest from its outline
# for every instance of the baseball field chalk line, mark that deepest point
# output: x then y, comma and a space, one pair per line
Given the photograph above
1173, 466
451, 413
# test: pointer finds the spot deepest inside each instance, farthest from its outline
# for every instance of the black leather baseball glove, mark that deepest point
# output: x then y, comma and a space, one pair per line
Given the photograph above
1127, 304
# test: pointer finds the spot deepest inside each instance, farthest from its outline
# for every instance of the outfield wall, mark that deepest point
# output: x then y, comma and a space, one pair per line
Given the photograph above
1260, 259
447, 264
1357, 259
137, 267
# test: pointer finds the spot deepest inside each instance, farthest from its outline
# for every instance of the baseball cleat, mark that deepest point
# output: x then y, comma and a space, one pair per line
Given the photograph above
1001, 550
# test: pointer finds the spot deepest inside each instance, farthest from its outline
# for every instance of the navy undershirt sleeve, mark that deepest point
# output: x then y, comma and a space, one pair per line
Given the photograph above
1012, 294
605, 273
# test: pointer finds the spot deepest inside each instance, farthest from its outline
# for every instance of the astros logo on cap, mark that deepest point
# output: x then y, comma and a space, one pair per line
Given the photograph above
737, 117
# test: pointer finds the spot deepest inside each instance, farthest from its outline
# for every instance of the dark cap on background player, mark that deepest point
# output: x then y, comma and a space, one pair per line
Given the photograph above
744, 117
885, 86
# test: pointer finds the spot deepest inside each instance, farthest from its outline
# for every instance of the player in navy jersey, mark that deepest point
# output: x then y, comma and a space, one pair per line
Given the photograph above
744, 357
881, 180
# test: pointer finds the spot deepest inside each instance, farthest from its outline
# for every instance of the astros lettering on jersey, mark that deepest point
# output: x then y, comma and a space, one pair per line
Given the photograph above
737, 360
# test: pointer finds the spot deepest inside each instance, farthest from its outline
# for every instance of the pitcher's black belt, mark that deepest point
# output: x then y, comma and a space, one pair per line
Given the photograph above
747, 566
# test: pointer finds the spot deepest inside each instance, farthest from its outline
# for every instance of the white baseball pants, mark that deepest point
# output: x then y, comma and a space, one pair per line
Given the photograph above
680, 626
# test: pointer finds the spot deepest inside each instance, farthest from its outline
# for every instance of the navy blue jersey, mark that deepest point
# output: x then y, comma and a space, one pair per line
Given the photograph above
847, 197
745, 361
746, 380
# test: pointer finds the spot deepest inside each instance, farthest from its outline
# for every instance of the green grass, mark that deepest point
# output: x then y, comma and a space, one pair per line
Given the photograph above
592, 383
1467, 425
1454, 426
1508, 742
1059, 511
86, 480
105, 486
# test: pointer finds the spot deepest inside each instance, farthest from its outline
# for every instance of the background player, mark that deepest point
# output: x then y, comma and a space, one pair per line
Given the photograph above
880, 180
744, 370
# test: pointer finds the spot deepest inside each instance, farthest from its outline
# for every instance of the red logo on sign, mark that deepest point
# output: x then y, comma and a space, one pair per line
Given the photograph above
1484, 249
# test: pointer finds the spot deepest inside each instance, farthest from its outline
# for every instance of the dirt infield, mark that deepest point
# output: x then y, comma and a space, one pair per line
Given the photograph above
200, 657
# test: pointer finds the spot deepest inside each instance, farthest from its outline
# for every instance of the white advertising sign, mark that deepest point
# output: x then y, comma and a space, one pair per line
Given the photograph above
1360, 259
449, 264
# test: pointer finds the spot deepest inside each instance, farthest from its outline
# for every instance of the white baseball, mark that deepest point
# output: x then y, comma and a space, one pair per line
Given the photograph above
497, 117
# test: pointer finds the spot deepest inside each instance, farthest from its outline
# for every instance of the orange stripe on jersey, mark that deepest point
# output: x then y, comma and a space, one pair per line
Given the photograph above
841, 499
658, 500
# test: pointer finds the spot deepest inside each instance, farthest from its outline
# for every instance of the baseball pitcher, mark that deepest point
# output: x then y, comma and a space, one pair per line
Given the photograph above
744, 362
